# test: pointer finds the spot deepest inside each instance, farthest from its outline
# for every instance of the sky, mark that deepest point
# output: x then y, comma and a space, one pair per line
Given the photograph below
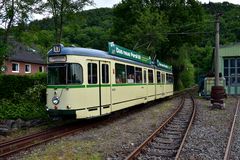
103, 3
110, 3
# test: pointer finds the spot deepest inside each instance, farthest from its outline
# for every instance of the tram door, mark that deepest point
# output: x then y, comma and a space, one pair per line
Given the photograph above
146, 85
105, 87
99, 87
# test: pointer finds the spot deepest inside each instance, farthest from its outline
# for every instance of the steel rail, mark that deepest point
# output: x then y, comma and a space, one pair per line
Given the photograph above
8, 148
30, 141
137, 151
189, 126
229, 144
19, 139
11, 142
38, 140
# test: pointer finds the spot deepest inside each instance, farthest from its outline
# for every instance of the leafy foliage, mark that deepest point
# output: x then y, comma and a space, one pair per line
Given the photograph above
167, 29
230, 24
22, 108
59, 9
149, 32
82, 30
185, 67
11, 84
16, 12
3, 51
156, 26
23, 97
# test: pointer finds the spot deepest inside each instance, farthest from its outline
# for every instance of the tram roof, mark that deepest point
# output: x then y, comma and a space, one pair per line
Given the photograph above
96, 53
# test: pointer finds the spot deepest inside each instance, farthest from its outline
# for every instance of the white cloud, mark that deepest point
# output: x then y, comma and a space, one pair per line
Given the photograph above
103, 3
214, 1
111, 3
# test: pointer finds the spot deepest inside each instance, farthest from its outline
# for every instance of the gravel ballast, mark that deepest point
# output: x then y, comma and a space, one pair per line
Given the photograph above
206, 140
113, 141
209, 134
235, 149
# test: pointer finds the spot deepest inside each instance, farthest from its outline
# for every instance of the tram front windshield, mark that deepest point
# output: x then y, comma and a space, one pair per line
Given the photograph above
65, 73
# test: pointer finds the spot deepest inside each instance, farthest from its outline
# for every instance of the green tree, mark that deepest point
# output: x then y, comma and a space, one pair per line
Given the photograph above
41, 40
13, 12
164, 26
229, 22
184, 68
149, 32
89, 28
59, 9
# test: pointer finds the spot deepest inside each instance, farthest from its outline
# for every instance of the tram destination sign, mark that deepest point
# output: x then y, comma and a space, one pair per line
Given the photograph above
119, 51
164, 66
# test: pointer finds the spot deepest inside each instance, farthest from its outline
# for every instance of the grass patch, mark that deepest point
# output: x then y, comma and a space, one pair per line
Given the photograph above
67, 149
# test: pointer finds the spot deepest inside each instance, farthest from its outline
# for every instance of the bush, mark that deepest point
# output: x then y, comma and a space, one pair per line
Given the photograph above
11, 84
21, 108
23, 96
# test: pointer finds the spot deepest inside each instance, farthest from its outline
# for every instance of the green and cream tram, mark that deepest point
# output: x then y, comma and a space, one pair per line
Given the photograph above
86, 83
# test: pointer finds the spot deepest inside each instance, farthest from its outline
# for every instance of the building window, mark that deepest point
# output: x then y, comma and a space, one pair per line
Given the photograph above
27, 68
15, 67
41, 69
232, 71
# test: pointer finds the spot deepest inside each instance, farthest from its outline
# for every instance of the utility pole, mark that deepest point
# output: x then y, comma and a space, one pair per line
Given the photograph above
216, 56
217, 92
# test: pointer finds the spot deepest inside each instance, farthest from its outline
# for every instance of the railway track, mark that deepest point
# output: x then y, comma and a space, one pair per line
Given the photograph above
167, 141
11, 147
230, 139
14, 146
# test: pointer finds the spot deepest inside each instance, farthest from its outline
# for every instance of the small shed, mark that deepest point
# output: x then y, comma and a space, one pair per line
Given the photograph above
229, 58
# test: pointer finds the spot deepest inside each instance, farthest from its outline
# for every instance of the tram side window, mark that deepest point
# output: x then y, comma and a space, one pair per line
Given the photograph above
163, 78
169, 78
158, 77
75, 74
120, 73
150, 76
145, 76
138, 73
130, 74
105, 73
92, 73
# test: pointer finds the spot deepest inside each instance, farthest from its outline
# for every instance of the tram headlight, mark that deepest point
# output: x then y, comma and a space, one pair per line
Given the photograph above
55, 100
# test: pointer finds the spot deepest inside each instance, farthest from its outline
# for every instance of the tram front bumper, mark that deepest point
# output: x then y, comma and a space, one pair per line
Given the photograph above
62, 113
